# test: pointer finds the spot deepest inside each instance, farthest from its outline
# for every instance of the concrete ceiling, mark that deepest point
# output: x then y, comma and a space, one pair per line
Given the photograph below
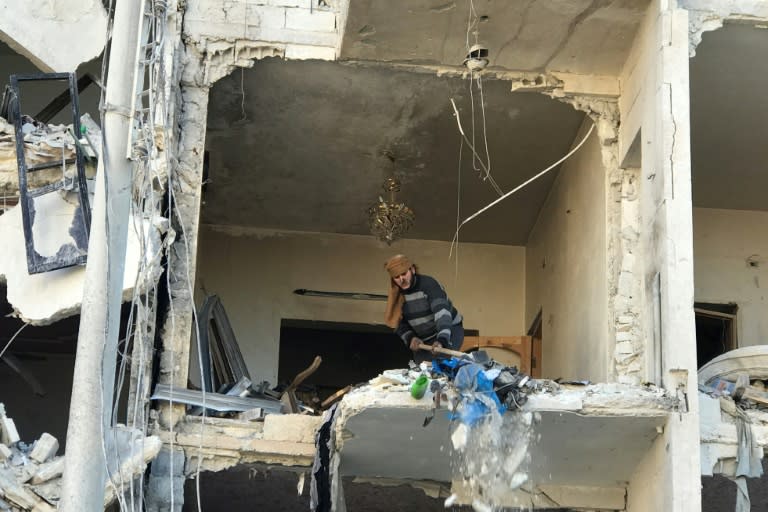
299, 145
577, 36
729, 119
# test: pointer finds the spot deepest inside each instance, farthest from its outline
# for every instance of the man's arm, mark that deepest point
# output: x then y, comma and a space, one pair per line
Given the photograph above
441, 308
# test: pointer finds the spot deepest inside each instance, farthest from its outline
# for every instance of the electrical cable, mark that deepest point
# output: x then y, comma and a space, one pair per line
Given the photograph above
471, 146
12, 338
519, 187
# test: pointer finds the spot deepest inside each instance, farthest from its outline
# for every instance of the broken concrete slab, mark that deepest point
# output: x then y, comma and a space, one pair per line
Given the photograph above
42, 299
49, 471
222, 443
564, 437
63, 23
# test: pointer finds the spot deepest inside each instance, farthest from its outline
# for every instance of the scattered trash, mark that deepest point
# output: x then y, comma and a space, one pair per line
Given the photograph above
484, 387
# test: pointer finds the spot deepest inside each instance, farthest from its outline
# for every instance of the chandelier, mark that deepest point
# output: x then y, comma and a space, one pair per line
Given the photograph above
388, 219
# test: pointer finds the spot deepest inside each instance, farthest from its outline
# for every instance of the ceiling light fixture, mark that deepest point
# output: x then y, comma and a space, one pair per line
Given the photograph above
388, 219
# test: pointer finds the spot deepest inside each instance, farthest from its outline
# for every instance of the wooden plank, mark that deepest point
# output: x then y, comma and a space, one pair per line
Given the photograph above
520, 345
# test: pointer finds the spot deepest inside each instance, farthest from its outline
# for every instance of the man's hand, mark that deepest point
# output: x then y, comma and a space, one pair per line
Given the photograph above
436, 345
415, 343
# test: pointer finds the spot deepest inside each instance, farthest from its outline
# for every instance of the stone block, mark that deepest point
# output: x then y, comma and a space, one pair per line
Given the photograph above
45, 448
626, 284
296, 428
311, 21
625, 347
628, 262
5, 452
292, 3
49, 471
629, 380
9, 435
306, 52
266, 16
624, 336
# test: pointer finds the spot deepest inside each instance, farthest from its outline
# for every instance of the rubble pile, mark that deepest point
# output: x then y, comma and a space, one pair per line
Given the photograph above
29, 474
43, 143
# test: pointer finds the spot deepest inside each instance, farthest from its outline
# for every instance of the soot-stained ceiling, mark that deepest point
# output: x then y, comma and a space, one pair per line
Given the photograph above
302, 145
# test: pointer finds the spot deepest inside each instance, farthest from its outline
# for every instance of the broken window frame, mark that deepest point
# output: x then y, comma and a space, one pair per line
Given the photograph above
221, 359
36, 263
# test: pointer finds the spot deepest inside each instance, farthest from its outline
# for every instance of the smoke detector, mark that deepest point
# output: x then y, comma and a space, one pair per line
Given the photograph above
477, 58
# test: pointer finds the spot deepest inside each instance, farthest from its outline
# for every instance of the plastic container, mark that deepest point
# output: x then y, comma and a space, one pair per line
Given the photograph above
419, 387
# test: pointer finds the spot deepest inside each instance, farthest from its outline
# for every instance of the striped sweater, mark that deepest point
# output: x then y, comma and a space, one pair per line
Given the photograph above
427, 312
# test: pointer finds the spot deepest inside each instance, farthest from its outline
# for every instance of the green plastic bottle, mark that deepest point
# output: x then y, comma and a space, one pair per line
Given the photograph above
419, 387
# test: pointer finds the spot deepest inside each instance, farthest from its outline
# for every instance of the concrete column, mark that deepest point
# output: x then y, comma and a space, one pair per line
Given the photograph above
185, 181
655, 104
165, 488
93, 383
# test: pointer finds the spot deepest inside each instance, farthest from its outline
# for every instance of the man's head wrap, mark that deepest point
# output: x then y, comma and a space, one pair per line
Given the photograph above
396, 265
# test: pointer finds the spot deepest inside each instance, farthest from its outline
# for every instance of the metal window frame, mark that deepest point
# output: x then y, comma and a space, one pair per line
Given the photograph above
36, 263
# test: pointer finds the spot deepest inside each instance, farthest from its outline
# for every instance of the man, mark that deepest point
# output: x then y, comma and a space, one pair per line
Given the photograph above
419, 310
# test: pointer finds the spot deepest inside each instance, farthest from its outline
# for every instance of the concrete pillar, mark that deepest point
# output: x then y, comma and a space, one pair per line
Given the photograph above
655, 110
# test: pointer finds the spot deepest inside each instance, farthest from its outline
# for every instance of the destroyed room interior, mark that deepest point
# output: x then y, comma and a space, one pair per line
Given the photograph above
199, 202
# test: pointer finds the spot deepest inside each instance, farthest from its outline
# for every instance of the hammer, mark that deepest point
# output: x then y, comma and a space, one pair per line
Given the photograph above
478, 356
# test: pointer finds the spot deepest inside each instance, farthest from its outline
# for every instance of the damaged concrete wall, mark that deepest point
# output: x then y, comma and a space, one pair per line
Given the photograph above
236, 32
731, 248
79, 26
255, 272
655, 107
566, 268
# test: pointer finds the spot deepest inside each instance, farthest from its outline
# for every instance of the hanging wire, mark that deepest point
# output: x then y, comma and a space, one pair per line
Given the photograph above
12, 338
482, 167
519, 187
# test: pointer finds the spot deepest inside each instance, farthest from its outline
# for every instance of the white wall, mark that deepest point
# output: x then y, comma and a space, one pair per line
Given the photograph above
642, 495
566, 269
255, 272
655, 104
723, 241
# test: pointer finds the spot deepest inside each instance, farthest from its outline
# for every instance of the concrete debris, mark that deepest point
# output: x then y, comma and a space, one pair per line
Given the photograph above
30, 475
8, 433
5, 452
43, 144
45, 448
